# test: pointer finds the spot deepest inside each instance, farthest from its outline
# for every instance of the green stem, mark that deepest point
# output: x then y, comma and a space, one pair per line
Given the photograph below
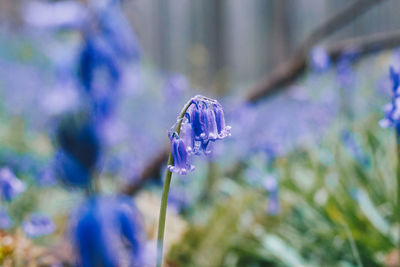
164, 198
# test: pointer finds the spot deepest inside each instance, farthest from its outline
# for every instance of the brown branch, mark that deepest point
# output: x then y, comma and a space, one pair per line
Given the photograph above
365, 45
290, 69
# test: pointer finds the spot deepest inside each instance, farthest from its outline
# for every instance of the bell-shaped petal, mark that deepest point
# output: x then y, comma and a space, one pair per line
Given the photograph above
211, 125
180, 156
223, 130
187, 136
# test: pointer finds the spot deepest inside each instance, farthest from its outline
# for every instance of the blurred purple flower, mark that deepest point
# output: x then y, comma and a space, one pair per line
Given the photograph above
80, 150
392, 110
115, 28
320, 60
10, 185
70, 171
38, 225
95, 54
107, 232
5, 220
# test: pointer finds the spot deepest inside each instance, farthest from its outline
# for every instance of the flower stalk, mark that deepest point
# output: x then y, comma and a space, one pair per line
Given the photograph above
200, 123
164, 197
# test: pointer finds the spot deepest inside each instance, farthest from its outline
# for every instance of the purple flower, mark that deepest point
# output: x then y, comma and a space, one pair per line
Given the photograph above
70, 171
320, 60
392, 110
208, 123
107, 232
80, 149
395, 77
223, 130
203, 122
187, 135
180, 155
38, 225
10, 185
5, 221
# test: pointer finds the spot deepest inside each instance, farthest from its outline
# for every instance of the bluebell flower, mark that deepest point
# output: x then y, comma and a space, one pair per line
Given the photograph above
180, 156
320, 60
107, 232
208, 122
392, 110
395, 78
79, 138
38, 225
187, 136
10, 185
116, 30
95, 56
202, 124
5, 220
70, 171
79, 150
223, 129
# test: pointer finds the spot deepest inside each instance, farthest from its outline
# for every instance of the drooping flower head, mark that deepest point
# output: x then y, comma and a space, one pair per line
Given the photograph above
107, 232
38, 225
392, 110
10, 185
208, 122
203, 122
